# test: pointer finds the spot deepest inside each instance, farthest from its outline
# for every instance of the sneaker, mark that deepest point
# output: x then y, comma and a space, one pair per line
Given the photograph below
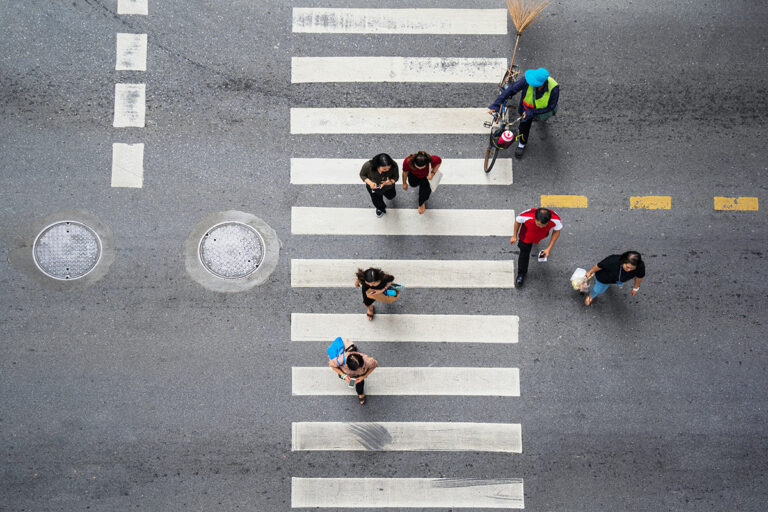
519, 150
519, 281
379, 213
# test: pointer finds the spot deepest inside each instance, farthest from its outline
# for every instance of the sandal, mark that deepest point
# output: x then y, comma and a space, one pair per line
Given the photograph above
362, 399
589, 300
370, 313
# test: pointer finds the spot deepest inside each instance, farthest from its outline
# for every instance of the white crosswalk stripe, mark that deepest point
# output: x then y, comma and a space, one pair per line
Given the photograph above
412, 273
407, 493
408, 222
405, 328
388, 120
396, 69
346, 171
399, 21
407, 436
442, 381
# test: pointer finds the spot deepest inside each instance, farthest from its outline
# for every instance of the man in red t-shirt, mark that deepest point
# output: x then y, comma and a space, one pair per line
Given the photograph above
534, 225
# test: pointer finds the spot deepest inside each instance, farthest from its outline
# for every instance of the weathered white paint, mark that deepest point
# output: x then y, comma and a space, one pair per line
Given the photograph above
405, 328
399, 21
438, 222
130, 105
131, 52
408, 436
133, 7
346, 171
410, 273
503, 493
389, 380
127, 165
389, 120
397, 69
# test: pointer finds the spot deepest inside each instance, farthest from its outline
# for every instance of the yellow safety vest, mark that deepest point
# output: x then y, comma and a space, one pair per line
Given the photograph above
529, 101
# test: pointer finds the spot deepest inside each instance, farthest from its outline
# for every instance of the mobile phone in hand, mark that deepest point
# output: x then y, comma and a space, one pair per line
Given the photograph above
542, 257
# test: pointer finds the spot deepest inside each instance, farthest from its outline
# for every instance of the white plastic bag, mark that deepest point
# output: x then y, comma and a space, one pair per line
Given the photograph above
579, 280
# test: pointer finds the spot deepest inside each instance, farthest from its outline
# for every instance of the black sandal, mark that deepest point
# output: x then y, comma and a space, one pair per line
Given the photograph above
362, 399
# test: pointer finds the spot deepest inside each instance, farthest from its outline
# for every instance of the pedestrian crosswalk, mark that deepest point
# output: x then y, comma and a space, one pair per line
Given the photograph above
425, 325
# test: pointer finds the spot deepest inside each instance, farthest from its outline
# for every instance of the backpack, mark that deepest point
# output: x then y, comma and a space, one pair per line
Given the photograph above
337, 350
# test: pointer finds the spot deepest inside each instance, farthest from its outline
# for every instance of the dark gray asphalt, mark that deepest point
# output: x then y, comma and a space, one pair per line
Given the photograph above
147, 392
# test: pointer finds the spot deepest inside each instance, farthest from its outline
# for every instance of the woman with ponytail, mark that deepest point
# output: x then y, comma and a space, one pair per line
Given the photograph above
418, 169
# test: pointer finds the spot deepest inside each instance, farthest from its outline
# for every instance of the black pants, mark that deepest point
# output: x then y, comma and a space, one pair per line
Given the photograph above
424, 189
360, 387
378, 195
525, 128
524, 258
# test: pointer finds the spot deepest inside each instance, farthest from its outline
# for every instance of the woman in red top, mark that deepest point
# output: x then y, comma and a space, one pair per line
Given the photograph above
418, 169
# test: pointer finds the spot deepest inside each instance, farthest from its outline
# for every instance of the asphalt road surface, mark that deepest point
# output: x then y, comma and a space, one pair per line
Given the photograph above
146, 391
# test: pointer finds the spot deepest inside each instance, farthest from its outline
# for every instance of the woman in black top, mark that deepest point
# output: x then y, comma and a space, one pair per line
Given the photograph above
373, 281
616, 269
380, 174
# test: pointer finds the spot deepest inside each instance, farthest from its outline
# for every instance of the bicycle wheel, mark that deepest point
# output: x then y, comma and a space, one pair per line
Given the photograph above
490, 155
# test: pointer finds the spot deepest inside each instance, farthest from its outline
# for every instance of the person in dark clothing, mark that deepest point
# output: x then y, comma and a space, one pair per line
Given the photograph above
380, 174
373, 282
616, 269
538, 101
418, 169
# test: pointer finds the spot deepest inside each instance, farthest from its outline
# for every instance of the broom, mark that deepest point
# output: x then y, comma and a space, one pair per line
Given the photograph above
522, 12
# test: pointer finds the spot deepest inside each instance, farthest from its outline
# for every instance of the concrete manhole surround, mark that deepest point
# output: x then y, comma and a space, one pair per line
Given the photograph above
66, 250
231, 251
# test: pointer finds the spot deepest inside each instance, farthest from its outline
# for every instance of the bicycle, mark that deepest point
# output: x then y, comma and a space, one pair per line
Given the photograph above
499, 125
501, 122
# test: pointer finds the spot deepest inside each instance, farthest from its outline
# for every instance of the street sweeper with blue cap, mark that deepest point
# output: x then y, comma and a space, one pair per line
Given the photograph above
538, 101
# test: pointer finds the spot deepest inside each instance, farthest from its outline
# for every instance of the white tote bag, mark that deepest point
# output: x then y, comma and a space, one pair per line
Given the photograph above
435, 181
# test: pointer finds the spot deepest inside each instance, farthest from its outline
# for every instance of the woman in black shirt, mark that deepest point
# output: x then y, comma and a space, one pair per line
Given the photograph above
373, 281
616, 269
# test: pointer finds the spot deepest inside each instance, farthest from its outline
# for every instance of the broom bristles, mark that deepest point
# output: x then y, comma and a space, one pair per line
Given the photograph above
523, 12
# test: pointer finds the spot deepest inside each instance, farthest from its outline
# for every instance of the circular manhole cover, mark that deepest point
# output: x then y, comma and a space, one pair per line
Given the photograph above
67, 250
231, 250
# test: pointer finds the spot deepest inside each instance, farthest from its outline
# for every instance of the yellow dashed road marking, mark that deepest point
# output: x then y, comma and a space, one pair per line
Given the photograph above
564, 201
650, 202
736, 203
